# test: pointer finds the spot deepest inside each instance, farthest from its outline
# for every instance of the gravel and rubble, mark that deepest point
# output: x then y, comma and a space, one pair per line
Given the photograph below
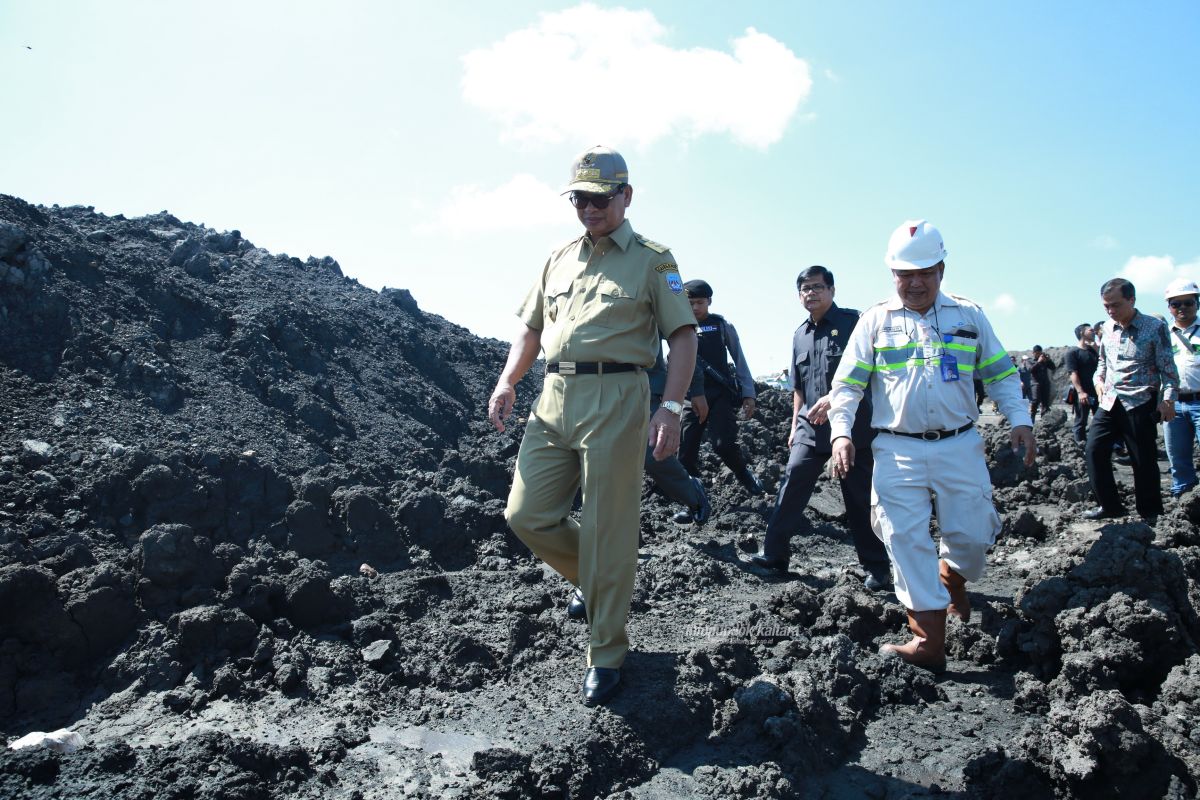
252, 546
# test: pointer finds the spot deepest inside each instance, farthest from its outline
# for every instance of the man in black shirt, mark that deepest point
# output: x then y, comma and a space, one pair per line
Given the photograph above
1081, 366
817, 348
725, 389
1040, 372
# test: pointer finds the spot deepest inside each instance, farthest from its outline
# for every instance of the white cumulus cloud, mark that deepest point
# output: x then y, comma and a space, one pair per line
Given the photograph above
1151, 274
1005, 303
591, 74
523, 203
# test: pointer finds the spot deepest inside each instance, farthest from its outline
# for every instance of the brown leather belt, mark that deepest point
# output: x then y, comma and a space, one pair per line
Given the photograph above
589, 367
930, 436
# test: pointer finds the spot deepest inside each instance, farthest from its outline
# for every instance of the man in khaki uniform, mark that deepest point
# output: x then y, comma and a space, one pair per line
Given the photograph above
597, 310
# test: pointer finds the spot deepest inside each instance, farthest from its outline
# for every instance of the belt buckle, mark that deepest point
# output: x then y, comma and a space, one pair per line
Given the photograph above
931, 436
566, 368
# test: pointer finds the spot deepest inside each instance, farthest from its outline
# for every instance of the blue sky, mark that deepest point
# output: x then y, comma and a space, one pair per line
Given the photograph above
423, 144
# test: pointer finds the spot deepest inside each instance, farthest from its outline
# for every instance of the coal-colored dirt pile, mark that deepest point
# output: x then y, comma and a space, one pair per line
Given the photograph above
252, 545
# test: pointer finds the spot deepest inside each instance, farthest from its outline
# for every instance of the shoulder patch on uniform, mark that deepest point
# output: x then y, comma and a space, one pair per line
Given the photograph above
655, 246
674, 282
667, 267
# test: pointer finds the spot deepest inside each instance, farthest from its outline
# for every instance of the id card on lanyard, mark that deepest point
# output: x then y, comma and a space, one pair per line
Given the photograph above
949, 365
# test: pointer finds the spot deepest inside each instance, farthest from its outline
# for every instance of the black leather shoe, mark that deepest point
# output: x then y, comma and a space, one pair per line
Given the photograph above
774, 564
701, 513
750, 482
576, 609
599, 685
1100, 513
881, 582
684, 517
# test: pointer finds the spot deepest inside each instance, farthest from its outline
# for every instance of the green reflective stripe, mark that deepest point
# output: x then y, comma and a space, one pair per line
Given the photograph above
853, 381
936, 361
893, 355
996, 367
1010, 371
966, 348
988, 362
909, 346
860, 374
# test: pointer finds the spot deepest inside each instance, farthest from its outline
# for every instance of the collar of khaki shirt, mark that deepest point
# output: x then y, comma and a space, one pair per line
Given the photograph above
621, 237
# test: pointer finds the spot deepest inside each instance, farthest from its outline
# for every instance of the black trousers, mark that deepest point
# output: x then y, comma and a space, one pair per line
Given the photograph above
1041, 397
669, 475
1139, 430
721, 426
1080, 423
803, 468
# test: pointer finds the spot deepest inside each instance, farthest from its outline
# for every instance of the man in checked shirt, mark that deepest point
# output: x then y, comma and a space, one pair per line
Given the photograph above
919, 352
1138, 384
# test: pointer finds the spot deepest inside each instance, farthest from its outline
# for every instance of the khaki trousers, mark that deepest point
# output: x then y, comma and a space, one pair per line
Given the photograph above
586, 432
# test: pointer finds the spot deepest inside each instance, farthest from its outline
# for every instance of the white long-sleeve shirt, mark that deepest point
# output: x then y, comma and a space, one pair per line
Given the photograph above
901, 354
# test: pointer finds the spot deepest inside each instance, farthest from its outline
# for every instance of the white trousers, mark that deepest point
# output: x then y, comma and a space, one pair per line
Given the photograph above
908, 472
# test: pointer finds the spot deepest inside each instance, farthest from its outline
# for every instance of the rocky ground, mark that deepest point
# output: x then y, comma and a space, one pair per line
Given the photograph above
251, 545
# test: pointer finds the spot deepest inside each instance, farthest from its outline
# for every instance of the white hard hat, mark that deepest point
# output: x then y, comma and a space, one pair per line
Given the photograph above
914, 245
1180, 287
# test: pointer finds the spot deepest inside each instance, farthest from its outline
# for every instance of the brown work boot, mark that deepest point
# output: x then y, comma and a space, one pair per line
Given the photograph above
927, 648
956, 585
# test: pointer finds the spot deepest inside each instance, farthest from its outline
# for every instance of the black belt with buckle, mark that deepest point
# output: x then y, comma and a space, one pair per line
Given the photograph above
589, 367
1188, 397
930, 436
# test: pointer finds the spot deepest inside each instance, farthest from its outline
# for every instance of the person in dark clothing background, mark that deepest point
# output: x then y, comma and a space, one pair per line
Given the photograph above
1026, 378
1081, 367
723, 388
668, 474
1041, 370
817, 348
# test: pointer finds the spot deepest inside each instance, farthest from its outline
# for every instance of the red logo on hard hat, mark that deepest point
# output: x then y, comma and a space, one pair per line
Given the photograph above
912, 231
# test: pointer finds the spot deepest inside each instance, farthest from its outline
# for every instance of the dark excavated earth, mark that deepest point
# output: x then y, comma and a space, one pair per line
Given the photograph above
252, 546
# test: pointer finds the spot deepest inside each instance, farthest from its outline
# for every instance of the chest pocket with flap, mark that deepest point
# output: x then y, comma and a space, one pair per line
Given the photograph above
615, 305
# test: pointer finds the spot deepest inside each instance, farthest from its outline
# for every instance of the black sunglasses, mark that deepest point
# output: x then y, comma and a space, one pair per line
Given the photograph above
1181, 303
600, 201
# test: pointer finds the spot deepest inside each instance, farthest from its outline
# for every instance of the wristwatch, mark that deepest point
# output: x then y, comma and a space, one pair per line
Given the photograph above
672, 406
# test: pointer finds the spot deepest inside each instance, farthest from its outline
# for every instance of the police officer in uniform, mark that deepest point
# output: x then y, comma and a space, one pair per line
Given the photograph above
597, 310
918, 353
817, 348
722, 389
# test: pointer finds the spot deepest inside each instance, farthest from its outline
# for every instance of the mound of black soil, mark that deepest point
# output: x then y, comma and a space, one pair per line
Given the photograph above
252, 545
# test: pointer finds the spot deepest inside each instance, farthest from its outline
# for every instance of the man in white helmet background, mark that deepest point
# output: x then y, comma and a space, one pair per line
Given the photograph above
919, 352
1180, 432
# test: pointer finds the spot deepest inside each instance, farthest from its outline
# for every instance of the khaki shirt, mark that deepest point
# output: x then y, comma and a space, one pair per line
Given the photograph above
607, 301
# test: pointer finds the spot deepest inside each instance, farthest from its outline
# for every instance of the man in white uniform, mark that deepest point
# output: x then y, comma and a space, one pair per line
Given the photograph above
919, 352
